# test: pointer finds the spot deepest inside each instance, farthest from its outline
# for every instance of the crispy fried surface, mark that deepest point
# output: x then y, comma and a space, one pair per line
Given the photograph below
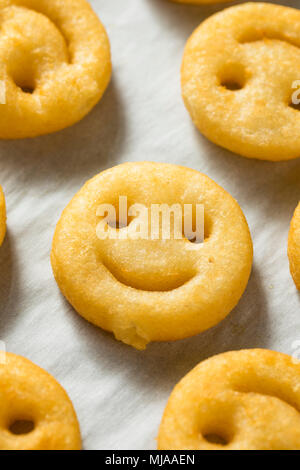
239, 400
29, 393
238, 70
54, 62
152, 290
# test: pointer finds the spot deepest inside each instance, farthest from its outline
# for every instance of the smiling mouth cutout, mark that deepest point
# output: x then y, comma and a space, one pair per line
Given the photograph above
161, 225
155, 282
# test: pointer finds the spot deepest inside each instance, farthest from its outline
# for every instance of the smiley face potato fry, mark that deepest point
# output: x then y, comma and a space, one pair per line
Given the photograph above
35, 411
146, 290
240, 400
54, 65
239, 73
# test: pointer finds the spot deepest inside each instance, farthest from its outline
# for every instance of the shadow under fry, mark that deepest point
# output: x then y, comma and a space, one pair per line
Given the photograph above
73, 154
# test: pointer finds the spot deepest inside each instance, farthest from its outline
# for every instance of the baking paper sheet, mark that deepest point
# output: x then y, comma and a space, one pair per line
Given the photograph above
119, 393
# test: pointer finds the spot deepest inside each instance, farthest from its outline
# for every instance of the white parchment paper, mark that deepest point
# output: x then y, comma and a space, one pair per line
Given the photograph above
120, 393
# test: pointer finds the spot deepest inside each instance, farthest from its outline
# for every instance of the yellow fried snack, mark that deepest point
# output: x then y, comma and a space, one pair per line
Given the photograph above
35, 411
151, 289
294, 247
2, 216
54, 65
239, 74
239, 400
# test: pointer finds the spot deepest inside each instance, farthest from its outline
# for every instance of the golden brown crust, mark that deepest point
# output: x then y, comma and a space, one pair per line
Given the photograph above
152, 290
29, 393
247, 399
294, 247
54, 65
238, 73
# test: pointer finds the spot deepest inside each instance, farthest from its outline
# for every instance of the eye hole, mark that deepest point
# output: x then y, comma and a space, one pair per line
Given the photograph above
189, 231
218, 439
23, 75
27, 89
119, 223
231, 85
294, 106
232, 77
115, 217
25, 81
21, 426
